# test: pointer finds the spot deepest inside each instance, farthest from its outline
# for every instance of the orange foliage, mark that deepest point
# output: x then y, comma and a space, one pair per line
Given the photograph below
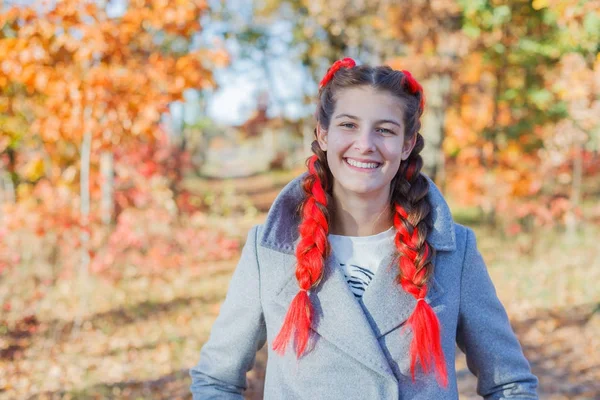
69, 68
110, 76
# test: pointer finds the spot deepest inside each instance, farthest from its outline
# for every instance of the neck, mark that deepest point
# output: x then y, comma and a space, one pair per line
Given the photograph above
354, 216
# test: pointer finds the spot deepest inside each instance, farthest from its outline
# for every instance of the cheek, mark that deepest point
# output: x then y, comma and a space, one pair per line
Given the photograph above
338, 147
332, 158
392, 152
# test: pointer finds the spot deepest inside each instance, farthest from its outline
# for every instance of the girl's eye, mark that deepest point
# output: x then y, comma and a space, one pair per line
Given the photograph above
386, 131
347, 125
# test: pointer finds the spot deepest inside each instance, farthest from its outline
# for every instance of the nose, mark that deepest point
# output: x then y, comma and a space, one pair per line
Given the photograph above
365, 141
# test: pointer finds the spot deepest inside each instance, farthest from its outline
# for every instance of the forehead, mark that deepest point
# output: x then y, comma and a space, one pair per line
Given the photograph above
366, 102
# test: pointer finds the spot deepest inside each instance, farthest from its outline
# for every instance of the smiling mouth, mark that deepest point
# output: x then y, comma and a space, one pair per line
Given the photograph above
362, 165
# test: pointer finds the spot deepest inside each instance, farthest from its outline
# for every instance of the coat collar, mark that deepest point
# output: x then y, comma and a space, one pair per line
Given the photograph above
385, 305
281, 226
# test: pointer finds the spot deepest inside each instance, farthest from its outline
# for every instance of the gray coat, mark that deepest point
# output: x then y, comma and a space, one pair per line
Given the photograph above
358, 348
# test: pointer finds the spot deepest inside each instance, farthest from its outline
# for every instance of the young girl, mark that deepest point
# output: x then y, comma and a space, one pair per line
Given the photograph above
359, 281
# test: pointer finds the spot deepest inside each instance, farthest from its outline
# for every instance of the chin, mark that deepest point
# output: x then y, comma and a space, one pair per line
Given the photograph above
363, 189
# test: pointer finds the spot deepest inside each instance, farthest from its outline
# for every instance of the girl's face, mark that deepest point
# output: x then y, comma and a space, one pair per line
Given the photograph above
365, 142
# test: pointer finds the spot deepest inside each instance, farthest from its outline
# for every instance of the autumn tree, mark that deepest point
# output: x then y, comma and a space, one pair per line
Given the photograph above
108, 77
509, 100
83, 94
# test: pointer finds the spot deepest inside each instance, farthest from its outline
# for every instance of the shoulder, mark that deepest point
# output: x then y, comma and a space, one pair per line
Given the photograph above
452, 266
466, 242
449, 263
464, 234
280, 229
254, 236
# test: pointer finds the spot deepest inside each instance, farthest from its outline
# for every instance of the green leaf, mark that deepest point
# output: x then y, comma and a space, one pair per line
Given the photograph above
591, 24
499, 48
501, 15
541, 98
471, 7
472, 31
558, 109
510, 94
529, 45
549, 17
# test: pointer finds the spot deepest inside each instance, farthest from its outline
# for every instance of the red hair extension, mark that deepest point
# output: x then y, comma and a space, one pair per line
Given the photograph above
426, 345
410, 171
343, 63
414, 87
311, 253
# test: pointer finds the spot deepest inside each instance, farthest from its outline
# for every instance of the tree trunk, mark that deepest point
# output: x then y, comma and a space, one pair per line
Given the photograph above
437, 89
8, 194
84, 187
11, 167
571, 220
107, 202
84, 182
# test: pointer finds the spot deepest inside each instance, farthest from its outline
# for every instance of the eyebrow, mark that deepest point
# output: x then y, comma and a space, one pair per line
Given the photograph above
381, 121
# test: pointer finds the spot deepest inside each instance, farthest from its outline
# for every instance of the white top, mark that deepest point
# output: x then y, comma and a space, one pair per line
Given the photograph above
359, 257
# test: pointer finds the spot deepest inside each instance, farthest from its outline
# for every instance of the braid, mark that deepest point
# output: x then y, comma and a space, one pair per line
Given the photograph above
311, 253
416, 262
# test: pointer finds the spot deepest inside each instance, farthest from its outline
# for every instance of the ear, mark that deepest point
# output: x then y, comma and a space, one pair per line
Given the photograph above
408, 147
322, 137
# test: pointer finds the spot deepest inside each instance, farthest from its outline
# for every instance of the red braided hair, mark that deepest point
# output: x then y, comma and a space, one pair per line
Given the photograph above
311, 253
416, 255
313, 248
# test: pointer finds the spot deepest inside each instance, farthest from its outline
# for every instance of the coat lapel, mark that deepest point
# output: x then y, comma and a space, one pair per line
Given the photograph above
386, 305
339, 317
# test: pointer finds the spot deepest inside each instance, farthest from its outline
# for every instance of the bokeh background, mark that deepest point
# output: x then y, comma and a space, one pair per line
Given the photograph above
141, 139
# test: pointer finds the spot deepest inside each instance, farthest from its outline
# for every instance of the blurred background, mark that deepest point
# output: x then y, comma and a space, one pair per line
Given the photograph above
141, 139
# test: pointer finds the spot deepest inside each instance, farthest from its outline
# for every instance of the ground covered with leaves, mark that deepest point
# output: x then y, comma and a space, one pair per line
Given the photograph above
137, 338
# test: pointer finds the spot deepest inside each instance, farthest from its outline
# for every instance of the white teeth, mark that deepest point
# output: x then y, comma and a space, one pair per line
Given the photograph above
361, 164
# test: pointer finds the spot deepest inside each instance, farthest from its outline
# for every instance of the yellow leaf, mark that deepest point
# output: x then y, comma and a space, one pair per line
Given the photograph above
539, 4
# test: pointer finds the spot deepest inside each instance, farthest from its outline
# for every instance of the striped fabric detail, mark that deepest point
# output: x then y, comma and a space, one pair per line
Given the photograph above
357, 277
359, 257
